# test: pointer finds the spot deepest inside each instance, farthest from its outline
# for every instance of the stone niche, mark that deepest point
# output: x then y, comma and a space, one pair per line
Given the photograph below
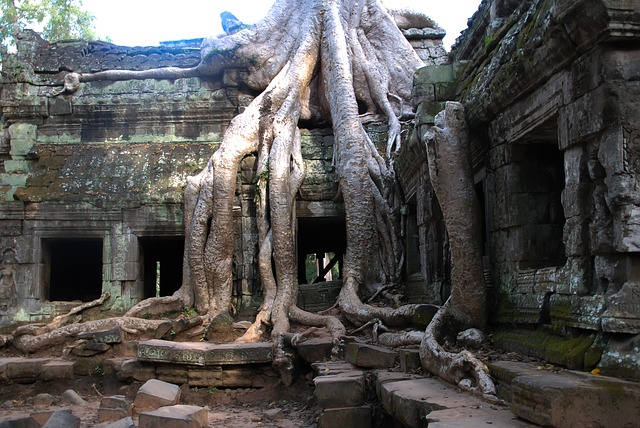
550, 90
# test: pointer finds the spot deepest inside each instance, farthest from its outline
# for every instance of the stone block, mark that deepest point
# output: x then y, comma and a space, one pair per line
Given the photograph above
24, 421
155, 394
352, 417
201, 353
621, 357
122, 423
108, 415
370, 356
316, 349
90, 349
62, 419
115, 402
132, 369
42, 416
57, 369
43, 400
16, 166
409, 360
569, 399
23, 138
409, 401
340, 390
178, 374
114, 408
4, 363
179, 416
332, 367
25, 370
72, 397
59, 106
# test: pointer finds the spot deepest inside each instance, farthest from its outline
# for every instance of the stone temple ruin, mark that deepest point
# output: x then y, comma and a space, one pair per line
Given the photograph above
91, 185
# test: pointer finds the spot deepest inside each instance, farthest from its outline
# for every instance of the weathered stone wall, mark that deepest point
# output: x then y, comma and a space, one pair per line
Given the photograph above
109, 164
551, 93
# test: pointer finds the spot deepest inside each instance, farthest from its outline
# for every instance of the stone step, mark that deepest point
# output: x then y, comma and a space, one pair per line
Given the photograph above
204, 353
29, 370
567, 398
417, 401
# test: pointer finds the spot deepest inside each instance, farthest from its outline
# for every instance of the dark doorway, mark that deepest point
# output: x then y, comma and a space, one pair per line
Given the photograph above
322, 242
161, 265
73, 269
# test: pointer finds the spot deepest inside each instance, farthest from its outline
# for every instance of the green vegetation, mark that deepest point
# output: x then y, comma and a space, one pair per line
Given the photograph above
54, 19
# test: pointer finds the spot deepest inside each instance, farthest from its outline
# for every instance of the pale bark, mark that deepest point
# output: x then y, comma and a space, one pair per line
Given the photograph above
450, 174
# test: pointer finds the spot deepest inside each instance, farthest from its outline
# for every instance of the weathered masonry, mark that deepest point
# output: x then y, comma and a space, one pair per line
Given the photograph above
551, 90
91, 185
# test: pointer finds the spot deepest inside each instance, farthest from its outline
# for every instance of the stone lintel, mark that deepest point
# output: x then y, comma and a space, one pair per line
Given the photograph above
204, 354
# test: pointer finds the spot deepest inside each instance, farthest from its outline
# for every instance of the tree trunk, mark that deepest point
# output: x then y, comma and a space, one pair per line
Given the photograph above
451, 177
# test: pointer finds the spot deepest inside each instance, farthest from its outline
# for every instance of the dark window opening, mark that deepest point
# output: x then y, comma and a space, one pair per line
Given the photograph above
412, 239
161, 260
321, 246
73, 269
536, 205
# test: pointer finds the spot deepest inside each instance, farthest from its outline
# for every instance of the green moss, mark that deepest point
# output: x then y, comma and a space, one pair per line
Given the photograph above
566, 351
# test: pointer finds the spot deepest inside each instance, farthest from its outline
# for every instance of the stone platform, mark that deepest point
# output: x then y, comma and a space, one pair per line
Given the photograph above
203, 364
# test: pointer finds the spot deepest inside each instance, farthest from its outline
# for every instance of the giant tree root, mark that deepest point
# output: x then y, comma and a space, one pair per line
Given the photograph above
462, 368
135, 326
60, 320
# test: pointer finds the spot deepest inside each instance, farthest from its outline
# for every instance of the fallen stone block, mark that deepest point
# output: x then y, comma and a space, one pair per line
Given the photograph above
108, 415
352, 417
115, 402
62, 419
43, 400
114, 408
179, 416
155, 394
24, 421
57, 369
42, 416
72, 397
370, 356
340, 390
122, 423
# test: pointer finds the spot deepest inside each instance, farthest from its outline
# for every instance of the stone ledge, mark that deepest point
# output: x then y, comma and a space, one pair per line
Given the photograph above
566, 398
204, 354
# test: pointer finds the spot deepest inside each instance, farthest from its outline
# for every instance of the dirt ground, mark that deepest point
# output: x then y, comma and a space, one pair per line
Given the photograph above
274, 406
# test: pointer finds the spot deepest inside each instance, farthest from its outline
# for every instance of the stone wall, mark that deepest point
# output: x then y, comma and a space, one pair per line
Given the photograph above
551, 94
91, 185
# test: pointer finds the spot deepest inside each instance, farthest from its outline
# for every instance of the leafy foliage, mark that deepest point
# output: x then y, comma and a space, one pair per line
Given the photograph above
54, 19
